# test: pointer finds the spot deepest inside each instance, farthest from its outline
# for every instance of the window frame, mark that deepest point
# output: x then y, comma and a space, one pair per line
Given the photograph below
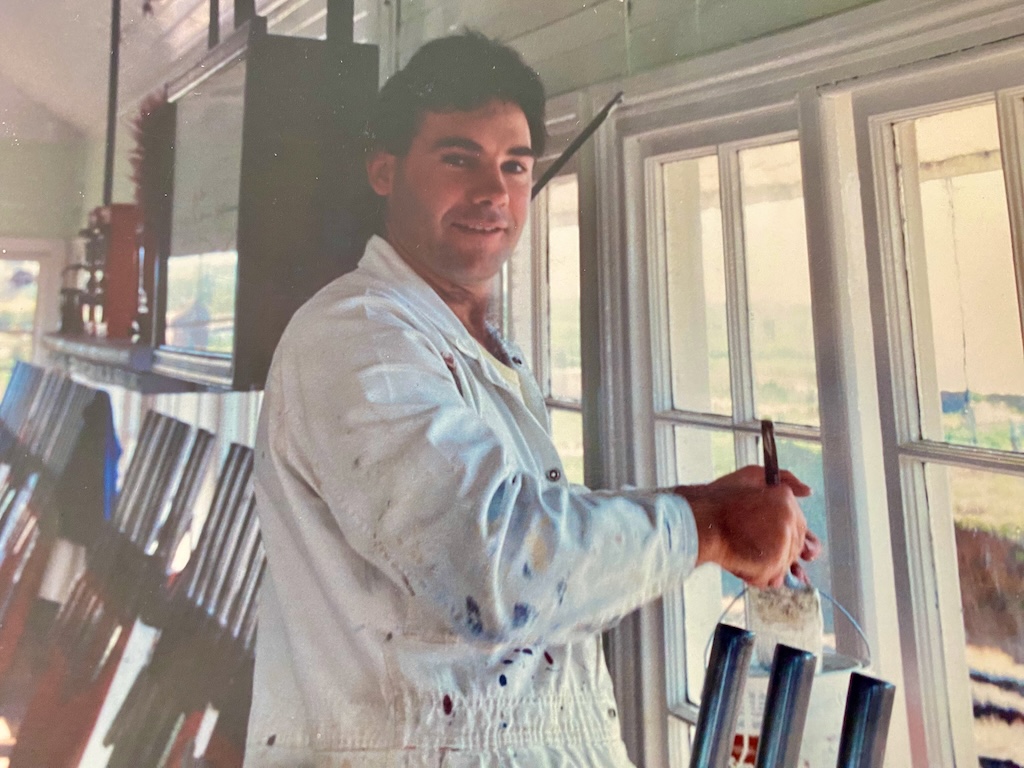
922, 533
797, 69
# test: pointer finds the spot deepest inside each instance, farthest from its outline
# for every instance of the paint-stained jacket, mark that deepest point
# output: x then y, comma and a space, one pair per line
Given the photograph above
435, 588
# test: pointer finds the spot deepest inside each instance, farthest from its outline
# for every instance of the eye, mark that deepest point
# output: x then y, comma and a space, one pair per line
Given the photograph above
515, 167
456, 160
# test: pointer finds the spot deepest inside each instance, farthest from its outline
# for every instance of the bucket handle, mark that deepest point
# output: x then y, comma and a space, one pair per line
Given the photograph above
849, 617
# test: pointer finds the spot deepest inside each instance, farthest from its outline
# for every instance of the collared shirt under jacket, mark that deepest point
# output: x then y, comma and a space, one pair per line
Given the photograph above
435, 588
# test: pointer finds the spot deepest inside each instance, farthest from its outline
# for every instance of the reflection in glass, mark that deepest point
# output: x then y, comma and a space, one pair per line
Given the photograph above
563, 231
988, 515
201, 302
698, 337
567, 435
778, 284
967, 330
19, 284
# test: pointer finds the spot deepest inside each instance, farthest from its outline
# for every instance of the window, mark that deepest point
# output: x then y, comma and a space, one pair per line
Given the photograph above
732, 344
558, 354
19, 285
29, 286
950, 205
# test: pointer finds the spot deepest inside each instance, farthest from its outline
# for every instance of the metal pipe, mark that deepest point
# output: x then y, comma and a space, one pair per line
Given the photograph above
566, 156
115, 58
866, 722
340, 21
719, 708
213, 33
785, 708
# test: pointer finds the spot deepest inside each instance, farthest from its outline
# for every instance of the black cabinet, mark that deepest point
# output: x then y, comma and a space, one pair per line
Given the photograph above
260, 202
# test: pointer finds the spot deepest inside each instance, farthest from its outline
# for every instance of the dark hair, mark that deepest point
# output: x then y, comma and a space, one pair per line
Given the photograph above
458, 73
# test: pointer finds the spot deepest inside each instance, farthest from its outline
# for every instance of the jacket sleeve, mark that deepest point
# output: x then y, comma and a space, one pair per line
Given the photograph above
370, 416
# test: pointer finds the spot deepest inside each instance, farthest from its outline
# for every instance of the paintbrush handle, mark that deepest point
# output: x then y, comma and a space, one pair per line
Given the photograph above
771, 455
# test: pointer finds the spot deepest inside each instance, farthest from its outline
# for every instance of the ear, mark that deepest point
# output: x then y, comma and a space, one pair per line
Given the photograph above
380, 170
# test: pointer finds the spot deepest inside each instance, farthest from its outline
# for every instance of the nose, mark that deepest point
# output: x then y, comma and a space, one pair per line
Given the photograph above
490, 186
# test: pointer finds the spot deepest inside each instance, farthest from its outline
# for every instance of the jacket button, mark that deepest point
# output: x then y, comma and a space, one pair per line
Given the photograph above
554, 475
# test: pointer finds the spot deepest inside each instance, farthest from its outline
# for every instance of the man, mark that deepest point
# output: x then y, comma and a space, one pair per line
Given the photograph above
436, 588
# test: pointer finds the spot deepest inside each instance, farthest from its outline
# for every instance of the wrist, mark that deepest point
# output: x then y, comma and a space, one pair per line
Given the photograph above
706, 521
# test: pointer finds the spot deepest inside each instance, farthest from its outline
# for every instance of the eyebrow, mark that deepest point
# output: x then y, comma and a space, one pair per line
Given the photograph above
460, 142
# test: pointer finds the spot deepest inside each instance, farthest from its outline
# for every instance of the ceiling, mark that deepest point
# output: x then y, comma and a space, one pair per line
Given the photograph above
54, 56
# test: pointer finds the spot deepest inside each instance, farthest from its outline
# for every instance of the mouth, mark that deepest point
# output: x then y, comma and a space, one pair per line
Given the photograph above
478, 228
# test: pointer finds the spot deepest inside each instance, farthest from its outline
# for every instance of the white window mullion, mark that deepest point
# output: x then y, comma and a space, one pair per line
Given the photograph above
741, 371
1010, 112
926, 420
539, 289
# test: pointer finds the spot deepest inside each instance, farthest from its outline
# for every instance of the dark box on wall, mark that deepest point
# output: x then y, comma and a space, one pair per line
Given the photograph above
264, 184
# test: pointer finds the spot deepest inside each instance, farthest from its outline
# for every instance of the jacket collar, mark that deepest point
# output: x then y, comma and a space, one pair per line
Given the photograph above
381, 261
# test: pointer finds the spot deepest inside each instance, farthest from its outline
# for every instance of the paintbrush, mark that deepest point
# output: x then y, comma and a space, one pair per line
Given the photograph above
791, 614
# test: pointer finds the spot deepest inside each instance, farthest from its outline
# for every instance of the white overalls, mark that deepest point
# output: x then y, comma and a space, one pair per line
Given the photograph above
436, 588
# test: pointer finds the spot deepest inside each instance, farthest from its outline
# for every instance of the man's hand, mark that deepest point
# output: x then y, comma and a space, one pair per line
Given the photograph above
755, 531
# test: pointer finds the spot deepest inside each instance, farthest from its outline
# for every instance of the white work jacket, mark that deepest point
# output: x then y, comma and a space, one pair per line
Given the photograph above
435, 588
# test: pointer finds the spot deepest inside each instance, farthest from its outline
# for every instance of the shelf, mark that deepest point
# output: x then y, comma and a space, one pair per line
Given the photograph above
114, 362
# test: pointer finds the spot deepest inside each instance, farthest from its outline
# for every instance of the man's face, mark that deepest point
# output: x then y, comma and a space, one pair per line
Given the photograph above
457, 201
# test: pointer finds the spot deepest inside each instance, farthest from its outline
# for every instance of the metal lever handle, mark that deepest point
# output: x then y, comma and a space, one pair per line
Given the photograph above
719, 707
785, 708
866, 722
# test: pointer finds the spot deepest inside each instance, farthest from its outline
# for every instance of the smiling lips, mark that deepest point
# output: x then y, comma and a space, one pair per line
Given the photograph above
480, 227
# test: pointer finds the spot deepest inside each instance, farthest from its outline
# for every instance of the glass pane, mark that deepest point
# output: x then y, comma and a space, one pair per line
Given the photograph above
966, 322
698, 337
19, 284
803, 459
701, 456
567, 435
988, 514
564, 288
778, 284
201, 301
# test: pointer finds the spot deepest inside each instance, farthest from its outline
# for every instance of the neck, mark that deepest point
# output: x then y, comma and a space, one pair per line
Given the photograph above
470, 303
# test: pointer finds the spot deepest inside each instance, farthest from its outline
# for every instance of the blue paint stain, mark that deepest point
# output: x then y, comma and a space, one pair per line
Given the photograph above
668, 528
521, 613
528, 651
473, 621
507, 661
560, 590
503, 681
527, 573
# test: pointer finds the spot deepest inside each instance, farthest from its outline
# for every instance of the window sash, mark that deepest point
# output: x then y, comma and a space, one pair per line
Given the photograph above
934, 641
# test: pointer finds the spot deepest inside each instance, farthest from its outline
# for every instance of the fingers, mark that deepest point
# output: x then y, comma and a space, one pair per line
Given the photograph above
812, 546
799, 489
800, 573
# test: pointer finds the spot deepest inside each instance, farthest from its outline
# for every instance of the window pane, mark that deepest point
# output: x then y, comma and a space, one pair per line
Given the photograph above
19, 283
778, 284
803, 459
966, 326
564, 288
988, 514
701, 456
698, 337
567, 435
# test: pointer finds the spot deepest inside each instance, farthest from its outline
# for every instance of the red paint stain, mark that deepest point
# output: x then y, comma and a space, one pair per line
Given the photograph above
547, 658
447, 704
